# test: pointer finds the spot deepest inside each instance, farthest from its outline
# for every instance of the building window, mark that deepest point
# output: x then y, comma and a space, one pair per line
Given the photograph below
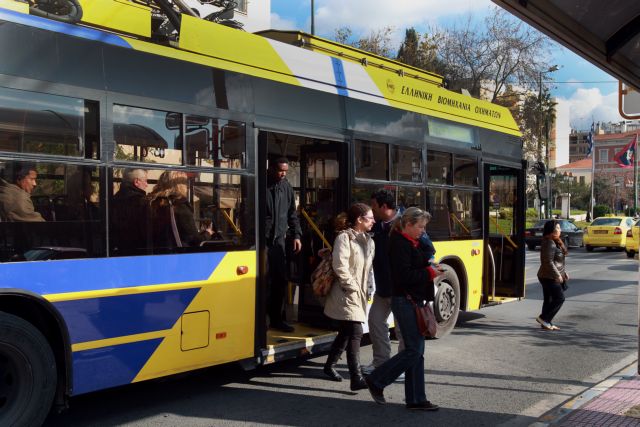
581, 180
604, 156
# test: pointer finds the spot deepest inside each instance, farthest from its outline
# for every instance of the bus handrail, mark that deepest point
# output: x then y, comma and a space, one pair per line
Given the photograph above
503, 233
454, 217
315, 228
231, 223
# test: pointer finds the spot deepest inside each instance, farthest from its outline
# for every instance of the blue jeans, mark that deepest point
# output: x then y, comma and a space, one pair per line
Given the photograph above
410, 360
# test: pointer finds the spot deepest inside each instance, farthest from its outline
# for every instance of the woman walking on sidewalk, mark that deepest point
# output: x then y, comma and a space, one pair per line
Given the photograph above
552, 274
412, 276
347, 300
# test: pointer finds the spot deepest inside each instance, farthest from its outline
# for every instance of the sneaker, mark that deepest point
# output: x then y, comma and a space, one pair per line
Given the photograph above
423, 406
376, 392
554, 327
544, 324
368, 369
282, 326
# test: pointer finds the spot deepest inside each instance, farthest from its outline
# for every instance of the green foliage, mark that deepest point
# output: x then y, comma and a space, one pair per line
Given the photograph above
532, 214
600, 210
505, 213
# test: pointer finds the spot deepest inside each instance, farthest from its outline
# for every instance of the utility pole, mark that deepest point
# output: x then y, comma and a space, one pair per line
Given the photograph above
545, 129
313, 25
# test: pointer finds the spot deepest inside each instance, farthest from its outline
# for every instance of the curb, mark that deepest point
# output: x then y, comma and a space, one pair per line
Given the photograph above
557, 414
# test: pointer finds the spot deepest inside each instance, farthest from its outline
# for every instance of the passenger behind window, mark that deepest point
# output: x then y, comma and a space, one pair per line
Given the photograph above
15, 198
173, 224
129, 213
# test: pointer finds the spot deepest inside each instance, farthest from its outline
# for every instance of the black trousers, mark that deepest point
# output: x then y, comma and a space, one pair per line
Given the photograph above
277, 280
349, 337
553, 298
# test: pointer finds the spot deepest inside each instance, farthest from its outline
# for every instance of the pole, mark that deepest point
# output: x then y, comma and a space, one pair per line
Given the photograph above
593, 173
313, 25
635, 177
546, 175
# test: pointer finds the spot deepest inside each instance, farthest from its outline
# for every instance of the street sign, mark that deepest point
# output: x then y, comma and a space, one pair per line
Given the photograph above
628, 101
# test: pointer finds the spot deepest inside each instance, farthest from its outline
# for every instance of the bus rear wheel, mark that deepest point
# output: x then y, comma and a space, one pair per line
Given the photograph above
447, 301
27, 373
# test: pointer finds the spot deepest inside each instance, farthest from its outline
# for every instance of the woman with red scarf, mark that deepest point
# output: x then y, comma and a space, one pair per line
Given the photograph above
412, 277
551, 274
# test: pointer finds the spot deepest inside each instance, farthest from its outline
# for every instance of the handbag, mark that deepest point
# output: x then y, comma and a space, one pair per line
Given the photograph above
426, 319
323, 276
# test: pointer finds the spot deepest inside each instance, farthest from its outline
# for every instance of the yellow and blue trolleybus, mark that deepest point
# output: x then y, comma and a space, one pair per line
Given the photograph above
85, 105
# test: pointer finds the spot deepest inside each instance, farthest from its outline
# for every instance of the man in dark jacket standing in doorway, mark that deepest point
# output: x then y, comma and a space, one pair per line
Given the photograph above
281, 221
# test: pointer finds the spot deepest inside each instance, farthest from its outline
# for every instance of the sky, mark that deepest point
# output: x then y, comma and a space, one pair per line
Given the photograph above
591, 93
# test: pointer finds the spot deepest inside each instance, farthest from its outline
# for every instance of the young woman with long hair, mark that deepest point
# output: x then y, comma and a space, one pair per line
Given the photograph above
551, 274
353, 252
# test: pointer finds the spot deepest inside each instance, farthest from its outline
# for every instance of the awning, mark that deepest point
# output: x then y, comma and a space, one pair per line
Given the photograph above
605, 33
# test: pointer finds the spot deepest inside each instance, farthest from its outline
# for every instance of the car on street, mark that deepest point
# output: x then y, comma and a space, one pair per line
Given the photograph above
607, 232
570, 234
633, 240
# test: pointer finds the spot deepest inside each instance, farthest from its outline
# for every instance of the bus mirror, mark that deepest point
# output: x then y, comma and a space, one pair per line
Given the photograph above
173, 121
233, 140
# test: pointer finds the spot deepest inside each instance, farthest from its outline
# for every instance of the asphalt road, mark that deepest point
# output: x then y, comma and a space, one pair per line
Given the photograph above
498, 367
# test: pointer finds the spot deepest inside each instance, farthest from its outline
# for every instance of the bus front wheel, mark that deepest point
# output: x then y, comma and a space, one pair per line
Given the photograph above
27, 373
447, 301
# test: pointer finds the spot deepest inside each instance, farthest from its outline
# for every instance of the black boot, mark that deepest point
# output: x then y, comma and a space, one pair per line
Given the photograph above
357, 380
329, 366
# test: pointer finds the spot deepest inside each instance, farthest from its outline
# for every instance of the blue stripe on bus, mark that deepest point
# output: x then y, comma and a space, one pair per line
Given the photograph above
109, 317
78, 275
341, 79
106, 367
61, 27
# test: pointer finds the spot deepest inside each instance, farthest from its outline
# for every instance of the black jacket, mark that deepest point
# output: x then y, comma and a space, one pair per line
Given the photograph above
409, 269
129, 218
381, 266
163, 237
281, 216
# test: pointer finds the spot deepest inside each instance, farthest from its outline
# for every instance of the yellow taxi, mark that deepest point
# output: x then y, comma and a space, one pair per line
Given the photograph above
633, 240
607, 232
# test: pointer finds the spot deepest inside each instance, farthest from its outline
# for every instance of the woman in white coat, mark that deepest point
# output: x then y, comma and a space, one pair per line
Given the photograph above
353, 252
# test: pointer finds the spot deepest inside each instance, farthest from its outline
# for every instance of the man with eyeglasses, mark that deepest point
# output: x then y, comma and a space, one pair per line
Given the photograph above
383, 205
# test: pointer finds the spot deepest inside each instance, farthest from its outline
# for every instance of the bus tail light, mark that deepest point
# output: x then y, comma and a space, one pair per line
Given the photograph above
527, 234
618, 230
630, 232
242, 269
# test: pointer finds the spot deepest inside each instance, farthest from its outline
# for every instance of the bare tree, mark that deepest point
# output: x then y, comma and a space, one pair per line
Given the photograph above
377, 42
504, 51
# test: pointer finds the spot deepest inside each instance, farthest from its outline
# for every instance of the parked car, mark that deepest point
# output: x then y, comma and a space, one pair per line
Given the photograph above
607, 232
633, 240
570, 234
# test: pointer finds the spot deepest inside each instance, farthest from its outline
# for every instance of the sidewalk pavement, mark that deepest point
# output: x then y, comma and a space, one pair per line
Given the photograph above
613, 402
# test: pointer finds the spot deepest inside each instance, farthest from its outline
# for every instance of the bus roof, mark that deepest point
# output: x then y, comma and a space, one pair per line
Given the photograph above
324, 65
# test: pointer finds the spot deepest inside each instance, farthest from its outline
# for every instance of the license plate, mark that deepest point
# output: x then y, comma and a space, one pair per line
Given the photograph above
537, 234
599, 231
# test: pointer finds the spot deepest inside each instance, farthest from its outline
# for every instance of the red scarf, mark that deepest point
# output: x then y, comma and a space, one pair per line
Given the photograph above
413, 241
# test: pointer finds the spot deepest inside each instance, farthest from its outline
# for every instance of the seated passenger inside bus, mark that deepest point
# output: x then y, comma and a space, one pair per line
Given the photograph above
15, 197
129, 211
172, 220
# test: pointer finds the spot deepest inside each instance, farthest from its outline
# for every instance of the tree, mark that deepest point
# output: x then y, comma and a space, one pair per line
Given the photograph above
377, 42
507, 51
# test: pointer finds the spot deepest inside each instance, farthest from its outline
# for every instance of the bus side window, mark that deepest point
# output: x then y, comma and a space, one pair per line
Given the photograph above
55, 217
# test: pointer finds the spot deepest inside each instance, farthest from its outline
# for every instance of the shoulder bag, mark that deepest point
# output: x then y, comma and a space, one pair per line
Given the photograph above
323, 276
427, 324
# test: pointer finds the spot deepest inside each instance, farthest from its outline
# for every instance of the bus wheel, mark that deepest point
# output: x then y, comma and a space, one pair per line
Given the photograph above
630, 254
27, 373
447, 302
